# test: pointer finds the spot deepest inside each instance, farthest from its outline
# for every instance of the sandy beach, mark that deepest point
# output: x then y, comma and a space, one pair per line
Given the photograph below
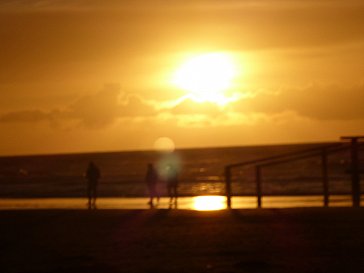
265, 240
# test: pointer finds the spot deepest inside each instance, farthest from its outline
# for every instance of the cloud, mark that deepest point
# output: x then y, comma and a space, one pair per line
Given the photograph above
222, 120
324, 102
110, 105
92, 111
86, 40
327, 102
96, 110
136, 106
25, 116
188, 106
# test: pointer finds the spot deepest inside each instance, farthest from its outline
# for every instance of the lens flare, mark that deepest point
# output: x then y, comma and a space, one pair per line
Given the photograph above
164, 144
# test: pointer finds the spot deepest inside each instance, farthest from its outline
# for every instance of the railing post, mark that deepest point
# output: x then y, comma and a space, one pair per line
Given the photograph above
355, 177
259, 185
325, 178
228, 186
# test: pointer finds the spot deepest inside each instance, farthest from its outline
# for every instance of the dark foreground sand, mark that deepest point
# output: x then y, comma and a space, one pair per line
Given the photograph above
281, 240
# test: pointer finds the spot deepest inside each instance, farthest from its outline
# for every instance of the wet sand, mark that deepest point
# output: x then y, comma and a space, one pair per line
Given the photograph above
189, 203
162, 240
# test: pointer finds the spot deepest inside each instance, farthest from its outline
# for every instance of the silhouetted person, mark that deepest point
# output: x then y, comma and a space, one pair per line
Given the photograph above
92, 175
151, 178
172, 184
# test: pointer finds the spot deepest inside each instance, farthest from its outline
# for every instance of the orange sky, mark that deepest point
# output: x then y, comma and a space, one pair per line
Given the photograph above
95, 75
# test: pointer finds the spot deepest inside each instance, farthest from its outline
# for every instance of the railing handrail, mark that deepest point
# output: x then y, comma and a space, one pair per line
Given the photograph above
303, 156
288, 155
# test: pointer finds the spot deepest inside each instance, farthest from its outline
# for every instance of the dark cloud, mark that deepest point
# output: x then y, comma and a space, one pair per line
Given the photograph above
135, 106
320, 102
59, 39
25, 116
93, 111
97, 110
72, 41
324, 102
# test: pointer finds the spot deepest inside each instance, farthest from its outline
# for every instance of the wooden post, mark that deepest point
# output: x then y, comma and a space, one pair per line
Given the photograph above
355, 176
325, 179
228, 186
259, 185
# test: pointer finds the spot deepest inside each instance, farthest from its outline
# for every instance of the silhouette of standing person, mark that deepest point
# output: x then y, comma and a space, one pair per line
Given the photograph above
172, 184
92, 175
151, 178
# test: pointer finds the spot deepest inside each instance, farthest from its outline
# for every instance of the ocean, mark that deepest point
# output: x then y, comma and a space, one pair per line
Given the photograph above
201, 172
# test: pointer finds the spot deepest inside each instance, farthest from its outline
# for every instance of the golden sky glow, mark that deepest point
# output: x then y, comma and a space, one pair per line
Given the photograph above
120, 75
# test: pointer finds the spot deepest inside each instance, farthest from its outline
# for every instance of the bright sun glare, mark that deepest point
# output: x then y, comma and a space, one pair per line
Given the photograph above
207, 77
205, 203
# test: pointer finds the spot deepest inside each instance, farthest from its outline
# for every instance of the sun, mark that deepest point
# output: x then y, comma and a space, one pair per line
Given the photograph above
207, 77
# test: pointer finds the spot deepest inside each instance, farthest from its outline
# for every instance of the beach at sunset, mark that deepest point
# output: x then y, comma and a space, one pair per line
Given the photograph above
181, 136
46, 226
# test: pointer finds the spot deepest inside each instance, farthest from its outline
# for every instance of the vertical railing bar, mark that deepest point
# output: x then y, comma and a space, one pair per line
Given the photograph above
228, 186
259, 185
355, 177
325, 178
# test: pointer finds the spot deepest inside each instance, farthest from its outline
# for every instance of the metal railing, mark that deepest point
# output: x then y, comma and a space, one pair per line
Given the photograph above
322, 151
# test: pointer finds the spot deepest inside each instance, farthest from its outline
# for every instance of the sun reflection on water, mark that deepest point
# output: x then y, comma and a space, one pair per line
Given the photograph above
205, 203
